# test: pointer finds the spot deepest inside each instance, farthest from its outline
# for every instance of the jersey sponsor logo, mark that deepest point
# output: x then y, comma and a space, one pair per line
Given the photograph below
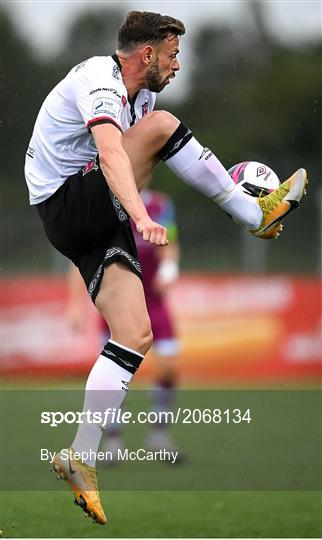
111, 90
106, 105
91, 166
145, 108
124, 101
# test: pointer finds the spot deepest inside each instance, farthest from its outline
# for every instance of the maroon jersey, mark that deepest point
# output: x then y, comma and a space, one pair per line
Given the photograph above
161, 210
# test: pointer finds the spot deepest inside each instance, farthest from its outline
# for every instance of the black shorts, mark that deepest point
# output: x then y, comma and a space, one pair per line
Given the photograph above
86, 223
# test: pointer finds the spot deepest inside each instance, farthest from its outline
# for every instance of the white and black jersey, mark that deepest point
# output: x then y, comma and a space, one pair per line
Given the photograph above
61, 144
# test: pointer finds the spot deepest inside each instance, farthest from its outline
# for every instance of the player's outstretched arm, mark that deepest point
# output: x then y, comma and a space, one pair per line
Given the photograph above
118, 173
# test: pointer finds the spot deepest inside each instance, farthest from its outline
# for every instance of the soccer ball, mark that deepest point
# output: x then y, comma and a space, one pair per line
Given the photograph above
253, 178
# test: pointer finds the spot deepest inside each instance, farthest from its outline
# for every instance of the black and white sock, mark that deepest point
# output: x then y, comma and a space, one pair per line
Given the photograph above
199, 167
106, 388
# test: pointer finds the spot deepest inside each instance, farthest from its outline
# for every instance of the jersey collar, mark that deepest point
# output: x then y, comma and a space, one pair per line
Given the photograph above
117, 61
132, 100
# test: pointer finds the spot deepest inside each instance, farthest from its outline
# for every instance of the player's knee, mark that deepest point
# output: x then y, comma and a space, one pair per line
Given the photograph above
137, 335
163, 123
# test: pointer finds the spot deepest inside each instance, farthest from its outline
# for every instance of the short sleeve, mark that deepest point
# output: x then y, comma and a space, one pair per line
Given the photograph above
100, 100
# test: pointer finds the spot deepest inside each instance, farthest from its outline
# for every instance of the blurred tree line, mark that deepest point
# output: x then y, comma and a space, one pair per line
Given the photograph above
250, 98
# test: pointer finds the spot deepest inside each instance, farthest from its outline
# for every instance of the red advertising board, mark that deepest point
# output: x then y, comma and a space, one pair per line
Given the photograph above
230, 327
248, 327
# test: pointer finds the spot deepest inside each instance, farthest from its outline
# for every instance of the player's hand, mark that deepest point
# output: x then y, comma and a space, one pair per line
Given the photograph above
152, 232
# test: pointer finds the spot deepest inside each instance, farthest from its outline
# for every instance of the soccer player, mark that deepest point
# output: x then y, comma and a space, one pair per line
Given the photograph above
104, 105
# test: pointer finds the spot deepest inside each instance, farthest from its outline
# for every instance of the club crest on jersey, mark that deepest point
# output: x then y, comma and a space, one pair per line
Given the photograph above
145, 109
91, 166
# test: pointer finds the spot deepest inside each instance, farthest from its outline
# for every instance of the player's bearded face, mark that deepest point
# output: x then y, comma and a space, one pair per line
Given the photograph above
164, 66
154, 78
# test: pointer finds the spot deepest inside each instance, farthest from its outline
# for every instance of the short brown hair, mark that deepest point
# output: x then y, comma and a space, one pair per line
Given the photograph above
147, 27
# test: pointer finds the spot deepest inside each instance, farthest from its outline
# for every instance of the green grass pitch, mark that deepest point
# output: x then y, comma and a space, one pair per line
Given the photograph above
191, 513
166, 514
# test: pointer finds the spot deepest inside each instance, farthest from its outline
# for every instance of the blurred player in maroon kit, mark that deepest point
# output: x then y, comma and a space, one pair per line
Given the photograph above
160, 269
